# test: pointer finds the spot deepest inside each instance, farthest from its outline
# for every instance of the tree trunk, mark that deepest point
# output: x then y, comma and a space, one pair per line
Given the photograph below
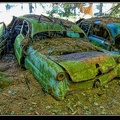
21, 6
30, 7
101, 5
35, 6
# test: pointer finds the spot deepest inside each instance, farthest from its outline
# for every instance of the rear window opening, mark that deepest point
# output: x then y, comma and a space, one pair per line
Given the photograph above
117, 42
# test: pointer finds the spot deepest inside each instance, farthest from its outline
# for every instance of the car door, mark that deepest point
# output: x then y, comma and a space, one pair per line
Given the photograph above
20, 42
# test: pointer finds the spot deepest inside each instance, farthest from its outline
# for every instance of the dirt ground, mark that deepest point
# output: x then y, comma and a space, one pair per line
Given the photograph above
19, 99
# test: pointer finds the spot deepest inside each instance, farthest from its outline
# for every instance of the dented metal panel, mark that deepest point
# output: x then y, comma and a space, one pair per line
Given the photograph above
18, 50
88, 68
45, 71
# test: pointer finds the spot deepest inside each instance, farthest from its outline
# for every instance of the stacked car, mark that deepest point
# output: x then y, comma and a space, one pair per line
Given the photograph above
58, 54
103, 32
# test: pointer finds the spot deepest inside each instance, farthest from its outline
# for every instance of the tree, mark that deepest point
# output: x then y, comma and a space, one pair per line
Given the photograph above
35, 6
100, 10
7, 7
68, 9
30, 7
21, 6
115, 10
63, 9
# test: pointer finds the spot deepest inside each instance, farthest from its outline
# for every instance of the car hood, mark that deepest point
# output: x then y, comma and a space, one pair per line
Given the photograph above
85, 65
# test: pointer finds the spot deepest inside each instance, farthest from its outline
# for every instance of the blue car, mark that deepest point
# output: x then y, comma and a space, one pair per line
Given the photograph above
103, 32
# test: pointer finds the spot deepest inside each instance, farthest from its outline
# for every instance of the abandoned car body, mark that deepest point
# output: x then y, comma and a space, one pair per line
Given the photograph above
103, 32
58, 56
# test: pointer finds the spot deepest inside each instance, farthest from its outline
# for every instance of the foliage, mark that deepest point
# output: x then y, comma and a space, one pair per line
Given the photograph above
69, 9
62, 9
115, 10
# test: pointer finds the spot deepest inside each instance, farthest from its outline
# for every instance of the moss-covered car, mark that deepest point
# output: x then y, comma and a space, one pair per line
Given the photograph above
103, 32
58, 54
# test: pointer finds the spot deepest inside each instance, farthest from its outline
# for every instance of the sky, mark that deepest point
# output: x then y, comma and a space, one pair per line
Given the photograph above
6, 16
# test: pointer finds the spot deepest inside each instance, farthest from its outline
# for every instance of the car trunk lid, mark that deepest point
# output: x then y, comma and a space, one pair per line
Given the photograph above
84, 66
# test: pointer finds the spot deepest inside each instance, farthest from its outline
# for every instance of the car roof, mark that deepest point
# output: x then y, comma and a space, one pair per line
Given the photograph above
43, 18
102, 20
111, 23
48, 25
114, 28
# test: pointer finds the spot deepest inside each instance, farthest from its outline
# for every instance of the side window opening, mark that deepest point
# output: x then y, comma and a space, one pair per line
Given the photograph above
84, 26
24, 31
47, 34
96, 30
117, 42
100, 31
82, 35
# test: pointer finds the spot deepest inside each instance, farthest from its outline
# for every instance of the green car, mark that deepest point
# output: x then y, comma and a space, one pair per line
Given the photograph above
58, 54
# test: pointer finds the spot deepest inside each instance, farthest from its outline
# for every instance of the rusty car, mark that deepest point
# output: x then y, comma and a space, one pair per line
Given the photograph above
58, 54
102, 31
